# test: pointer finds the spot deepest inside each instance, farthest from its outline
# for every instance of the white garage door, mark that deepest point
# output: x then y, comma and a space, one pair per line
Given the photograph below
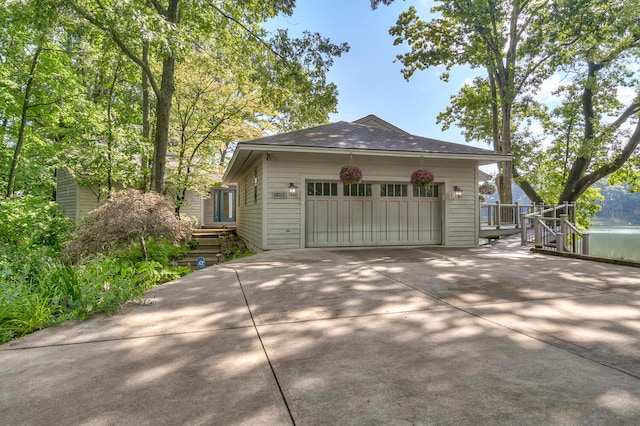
369, 214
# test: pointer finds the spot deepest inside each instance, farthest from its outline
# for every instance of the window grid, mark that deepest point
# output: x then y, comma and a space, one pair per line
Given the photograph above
430, 192
322, 189
394, 190
357, 190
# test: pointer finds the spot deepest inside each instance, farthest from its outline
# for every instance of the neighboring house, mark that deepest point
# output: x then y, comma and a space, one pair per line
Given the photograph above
290, 195
217, 210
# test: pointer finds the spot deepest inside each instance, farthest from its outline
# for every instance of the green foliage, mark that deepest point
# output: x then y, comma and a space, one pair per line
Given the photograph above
61, 292
163, 252
38, 290
233, 247
32, 222
564, 139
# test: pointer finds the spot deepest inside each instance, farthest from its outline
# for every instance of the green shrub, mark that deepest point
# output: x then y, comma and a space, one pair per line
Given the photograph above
28, 221
38, 290
233, 247
61, 292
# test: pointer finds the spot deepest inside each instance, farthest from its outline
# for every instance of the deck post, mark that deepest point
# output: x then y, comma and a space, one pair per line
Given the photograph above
563, 229
538, 232
498, 215
585, 243
560, 242
517, 214
523, 228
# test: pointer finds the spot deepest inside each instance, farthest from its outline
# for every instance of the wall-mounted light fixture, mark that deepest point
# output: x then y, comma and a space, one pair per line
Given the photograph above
293, 190
457, 192
269, 156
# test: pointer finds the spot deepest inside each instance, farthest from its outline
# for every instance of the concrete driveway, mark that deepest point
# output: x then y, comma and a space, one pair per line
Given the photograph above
402, 336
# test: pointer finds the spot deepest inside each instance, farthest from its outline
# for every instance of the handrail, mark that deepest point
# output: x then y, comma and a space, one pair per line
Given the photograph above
555, 231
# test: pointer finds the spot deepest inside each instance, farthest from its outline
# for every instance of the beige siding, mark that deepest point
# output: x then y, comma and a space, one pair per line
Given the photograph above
88, 199
249, 208
66, 189
207, 210
193, 206
284, 225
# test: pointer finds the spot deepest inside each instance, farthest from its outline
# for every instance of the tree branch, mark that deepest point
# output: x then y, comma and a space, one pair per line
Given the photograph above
123, 47
247, 29
613, 166
161, 10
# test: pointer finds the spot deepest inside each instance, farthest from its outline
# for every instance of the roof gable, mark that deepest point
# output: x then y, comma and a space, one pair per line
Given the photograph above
354, 136
372, 120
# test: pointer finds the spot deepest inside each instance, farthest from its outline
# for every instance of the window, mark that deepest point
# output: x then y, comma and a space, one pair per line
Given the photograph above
430, 192
322, 189
255, 186
357, 190
246, 190
393, 190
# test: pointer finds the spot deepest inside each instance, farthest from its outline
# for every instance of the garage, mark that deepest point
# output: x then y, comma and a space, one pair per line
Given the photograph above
371, 214
292, 194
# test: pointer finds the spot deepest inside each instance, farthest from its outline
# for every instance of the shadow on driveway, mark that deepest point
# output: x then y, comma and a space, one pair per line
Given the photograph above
417, 335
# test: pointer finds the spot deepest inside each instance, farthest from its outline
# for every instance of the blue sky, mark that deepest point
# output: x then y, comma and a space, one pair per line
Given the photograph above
368, 80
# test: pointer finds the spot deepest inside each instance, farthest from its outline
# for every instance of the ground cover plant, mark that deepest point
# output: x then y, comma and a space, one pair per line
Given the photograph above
39, 289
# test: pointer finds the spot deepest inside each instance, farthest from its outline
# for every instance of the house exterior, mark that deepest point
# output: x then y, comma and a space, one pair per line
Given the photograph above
216, 211
289, 194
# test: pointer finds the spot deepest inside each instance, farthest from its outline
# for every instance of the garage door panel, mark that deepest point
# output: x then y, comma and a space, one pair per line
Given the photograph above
322, 222
358, 222
394, 221
428, 221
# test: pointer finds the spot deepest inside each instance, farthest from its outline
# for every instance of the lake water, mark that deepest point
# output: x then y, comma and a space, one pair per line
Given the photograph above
617, 243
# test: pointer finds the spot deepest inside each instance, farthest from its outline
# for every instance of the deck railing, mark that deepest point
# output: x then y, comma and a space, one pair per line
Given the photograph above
554, 229
501, 216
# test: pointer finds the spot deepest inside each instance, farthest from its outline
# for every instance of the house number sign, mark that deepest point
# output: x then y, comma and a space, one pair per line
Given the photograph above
279, 195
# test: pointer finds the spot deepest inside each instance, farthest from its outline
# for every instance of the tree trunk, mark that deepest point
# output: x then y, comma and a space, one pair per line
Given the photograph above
110, 131
580, 165
146, 122
143, 248
506, 174
23, 122
163, 109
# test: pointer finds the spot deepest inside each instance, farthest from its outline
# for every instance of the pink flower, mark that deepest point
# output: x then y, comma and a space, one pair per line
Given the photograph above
487, 188
350, 174
422, 178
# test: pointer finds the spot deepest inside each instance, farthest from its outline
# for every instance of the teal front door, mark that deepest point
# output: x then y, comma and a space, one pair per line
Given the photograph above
224, 205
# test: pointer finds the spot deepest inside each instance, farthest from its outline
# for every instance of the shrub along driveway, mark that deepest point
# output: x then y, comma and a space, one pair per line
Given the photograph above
420, 335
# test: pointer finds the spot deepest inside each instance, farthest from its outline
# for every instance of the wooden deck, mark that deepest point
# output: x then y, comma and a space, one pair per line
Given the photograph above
493, 232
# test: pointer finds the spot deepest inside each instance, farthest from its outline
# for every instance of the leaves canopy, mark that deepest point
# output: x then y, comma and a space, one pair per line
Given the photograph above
561, 145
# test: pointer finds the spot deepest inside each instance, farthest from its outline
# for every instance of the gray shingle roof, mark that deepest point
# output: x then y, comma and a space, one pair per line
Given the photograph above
351, 136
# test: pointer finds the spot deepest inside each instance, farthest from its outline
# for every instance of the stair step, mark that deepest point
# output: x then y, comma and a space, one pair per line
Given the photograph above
209, 244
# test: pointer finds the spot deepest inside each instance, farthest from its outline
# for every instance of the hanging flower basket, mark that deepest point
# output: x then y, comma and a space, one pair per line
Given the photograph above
482, 198
487, 188
350, 174
422, 178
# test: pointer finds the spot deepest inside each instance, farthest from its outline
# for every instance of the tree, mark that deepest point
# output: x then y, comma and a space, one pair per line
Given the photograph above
106, 141
496, 36
216, 104
128, 217
167, 30
37, 92
521, 45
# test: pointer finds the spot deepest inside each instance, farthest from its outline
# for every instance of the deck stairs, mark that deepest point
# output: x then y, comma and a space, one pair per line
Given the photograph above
207, 246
